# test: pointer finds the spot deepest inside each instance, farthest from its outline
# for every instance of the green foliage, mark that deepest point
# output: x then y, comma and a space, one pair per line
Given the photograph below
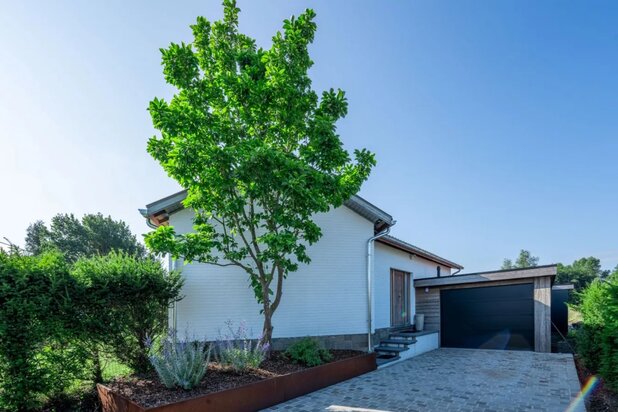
93, 235
126, 301
36, 358
308, 352
57, 321
37, 238
580, 273
181, 362
524, 260
256, 148
597, 338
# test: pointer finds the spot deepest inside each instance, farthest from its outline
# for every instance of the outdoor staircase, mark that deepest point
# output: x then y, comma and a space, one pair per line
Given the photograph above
389, 350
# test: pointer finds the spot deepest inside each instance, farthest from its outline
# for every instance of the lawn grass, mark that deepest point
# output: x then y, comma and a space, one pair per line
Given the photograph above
113, 368
574, 316
81, 396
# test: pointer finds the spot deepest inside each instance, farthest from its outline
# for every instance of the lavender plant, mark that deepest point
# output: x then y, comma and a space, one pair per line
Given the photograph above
180, 362
237, 350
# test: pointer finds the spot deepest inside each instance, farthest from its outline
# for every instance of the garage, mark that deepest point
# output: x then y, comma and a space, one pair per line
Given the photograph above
494, 317
504, 309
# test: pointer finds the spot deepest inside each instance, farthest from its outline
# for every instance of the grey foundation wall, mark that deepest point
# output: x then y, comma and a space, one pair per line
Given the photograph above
351, 342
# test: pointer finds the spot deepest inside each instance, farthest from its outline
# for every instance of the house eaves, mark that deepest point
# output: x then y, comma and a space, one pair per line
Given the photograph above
157, 213
415, 250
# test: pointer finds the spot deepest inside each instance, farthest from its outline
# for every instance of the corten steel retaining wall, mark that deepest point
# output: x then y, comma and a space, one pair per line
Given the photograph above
256, 395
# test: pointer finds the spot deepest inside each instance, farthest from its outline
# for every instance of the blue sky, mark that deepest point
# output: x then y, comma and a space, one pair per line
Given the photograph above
495, 124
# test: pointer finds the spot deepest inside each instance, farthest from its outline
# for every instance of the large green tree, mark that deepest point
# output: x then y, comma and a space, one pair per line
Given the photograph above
256, 148
581, 272
524, 260
93, 235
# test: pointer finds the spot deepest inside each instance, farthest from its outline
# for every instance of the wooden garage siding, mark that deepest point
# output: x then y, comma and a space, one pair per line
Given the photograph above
428, 303
542, 314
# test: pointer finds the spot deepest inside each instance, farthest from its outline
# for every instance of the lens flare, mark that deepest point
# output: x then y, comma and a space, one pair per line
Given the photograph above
577, 404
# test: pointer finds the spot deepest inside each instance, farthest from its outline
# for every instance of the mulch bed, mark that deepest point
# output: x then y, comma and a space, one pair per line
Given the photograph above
148, 392
601, 399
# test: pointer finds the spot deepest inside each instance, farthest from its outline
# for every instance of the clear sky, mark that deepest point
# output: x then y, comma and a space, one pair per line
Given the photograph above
495, 124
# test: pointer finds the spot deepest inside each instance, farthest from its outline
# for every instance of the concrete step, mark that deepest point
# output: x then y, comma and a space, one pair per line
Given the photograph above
403, 335
398, 341
381, 360
392, 349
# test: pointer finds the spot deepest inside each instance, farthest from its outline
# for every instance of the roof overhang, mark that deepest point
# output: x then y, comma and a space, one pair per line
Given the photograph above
563, 287
417, 251
484, 277
157, 213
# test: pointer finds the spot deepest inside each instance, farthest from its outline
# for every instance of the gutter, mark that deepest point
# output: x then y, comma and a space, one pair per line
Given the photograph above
144, 212
369, 283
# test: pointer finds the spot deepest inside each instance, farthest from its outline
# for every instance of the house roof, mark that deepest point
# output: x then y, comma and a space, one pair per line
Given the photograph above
482, 277
407, 247
157, 213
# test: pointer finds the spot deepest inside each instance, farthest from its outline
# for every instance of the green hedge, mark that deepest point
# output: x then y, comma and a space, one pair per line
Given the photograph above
597, 338
35, 355
56, 320
126, 302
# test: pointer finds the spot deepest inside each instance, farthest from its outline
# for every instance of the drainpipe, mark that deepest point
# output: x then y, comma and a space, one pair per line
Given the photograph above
369, 279
173, 265
458, 270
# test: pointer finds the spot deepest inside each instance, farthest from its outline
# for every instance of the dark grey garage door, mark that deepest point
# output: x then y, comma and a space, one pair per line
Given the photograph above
495, 317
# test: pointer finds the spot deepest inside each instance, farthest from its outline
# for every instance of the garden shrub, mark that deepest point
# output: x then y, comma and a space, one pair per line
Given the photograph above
597, 338
58, 322
180, 362
309, 352
236, 350
37, 360
127, 301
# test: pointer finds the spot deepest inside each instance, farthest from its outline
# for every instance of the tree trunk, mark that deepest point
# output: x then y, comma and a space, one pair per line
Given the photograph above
97, 367
267, 329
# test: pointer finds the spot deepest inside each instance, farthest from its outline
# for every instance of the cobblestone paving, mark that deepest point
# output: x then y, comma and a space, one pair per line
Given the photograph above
447, 380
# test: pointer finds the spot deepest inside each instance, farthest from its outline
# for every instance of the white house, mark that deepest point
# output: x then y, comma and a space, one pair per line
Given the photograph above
329, 298
357, 293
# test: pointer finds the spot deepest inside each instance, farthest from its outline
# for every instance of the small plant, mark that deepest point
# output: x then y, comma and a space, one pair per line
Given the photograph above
180, 362
309, 352
238, 351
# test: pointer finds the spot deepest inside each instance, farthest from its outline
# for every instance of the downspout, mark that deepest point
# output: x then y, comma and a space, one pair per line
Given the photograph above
173, 265
458, 270
369, 280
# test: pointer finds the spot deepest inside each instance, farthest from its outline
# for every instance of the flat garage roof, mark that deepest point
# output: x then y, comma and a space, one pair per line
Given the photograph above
482, 277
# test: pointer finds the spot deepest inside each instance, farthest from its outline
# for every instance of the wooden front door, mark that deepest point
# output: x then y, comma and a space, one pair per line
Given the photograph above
400, 298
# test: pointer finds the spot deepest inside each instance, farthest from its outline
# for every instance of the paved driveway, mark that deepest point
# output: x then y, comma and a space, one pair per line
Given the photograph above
455, 380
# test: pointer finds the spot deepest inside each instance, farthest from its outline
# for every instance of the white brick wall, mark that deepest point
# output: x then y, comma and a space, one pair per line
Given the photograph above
327, 297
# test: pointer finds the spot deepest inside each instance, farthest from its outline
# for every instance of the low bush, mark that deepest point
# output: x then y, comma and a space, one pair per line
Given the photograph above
309, 352
127, 299
597, 338
236, 350
180, 362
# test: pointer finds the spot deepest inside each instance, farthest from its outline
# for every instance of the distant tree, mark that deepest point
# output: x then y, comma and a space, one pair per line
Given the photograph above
581, 272
524, 260
93, 235
37, 237
257, 149
608, 273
